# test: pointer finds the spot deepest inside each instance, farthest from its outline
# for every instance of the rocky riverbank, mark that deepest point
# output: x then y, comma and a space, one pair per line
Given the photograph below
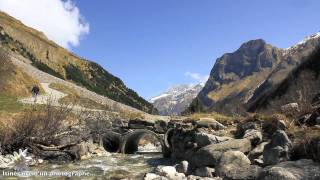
253, 149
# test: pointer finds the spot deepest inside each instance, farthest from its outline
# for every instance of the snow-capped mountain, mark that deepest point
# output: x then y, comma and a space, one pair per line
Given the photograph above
176, 99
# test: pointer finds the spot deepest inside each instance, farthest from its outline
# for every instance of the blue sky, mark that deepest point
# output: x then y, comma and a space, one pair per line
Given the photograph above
153, 44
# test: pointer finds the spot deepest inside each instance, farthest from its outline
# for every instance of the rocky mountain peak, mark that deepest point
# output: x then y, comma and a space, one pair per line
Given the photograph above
251, 57
246, 75
253, 44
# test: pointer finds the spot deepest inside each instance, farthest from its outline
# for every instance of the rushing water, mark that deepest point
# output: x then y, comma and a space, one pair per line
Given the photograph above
114, 166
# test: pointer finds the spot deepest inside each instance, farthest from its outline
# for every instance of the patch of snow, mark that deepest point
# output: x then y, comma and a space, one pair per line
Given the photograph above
152, 100
301, 43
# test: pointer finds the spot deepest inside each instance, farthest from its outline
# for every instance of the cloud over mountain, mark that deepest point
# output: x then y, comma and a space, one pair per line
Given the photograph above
197, 77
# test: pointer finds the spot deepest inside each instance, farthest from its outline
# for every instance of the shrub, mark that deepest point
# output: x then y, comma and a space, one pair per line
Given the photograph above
34, 125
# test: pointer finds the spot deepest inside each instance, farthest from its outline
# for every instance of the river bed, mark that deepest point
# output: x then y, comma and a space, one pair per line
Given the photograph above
113, 166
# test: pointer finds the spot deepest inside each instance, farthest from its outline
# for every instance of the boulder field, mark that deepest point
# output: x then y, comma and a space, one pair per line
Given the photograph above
256, 150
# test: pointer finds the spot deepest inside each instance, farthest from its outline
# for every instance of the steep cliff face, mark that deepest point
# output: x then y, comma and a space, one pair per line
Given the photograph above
55, 60
241, 79
235, 76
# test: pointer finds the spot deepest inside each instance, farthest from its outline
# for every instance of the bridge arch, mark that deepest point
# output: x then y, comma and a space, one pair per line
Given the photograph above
112, 141
131, 140
167, 137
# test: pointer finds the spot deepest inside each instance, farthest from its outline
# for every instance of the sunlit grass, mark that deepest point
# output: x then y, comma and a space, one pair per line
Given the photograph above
10, 104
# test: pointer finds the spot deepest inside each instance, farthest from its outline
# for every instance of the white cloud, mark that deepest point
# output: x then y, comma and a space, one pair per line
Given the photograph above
59, 20
197, 77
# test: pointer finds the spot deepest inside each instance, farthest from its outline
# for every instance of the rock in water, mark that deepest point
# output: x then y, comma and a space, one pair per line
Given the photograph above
278, 149
292, 170
236, 165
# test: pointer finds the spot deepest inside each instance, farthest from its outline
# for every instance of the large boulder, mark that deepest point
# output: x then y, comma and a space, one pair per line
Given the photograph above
236, 165
292, 170
278, 149
210, 155
204, 139
253, 135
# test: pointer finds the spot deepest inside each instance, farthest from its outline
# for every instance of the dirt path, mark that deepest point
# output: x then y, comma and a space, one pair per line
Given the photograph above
50, 94
53, 96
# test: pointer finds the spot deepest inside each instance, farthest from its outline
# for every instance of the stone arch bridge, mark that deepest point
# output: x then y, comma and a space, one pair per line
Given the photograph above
126, 139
